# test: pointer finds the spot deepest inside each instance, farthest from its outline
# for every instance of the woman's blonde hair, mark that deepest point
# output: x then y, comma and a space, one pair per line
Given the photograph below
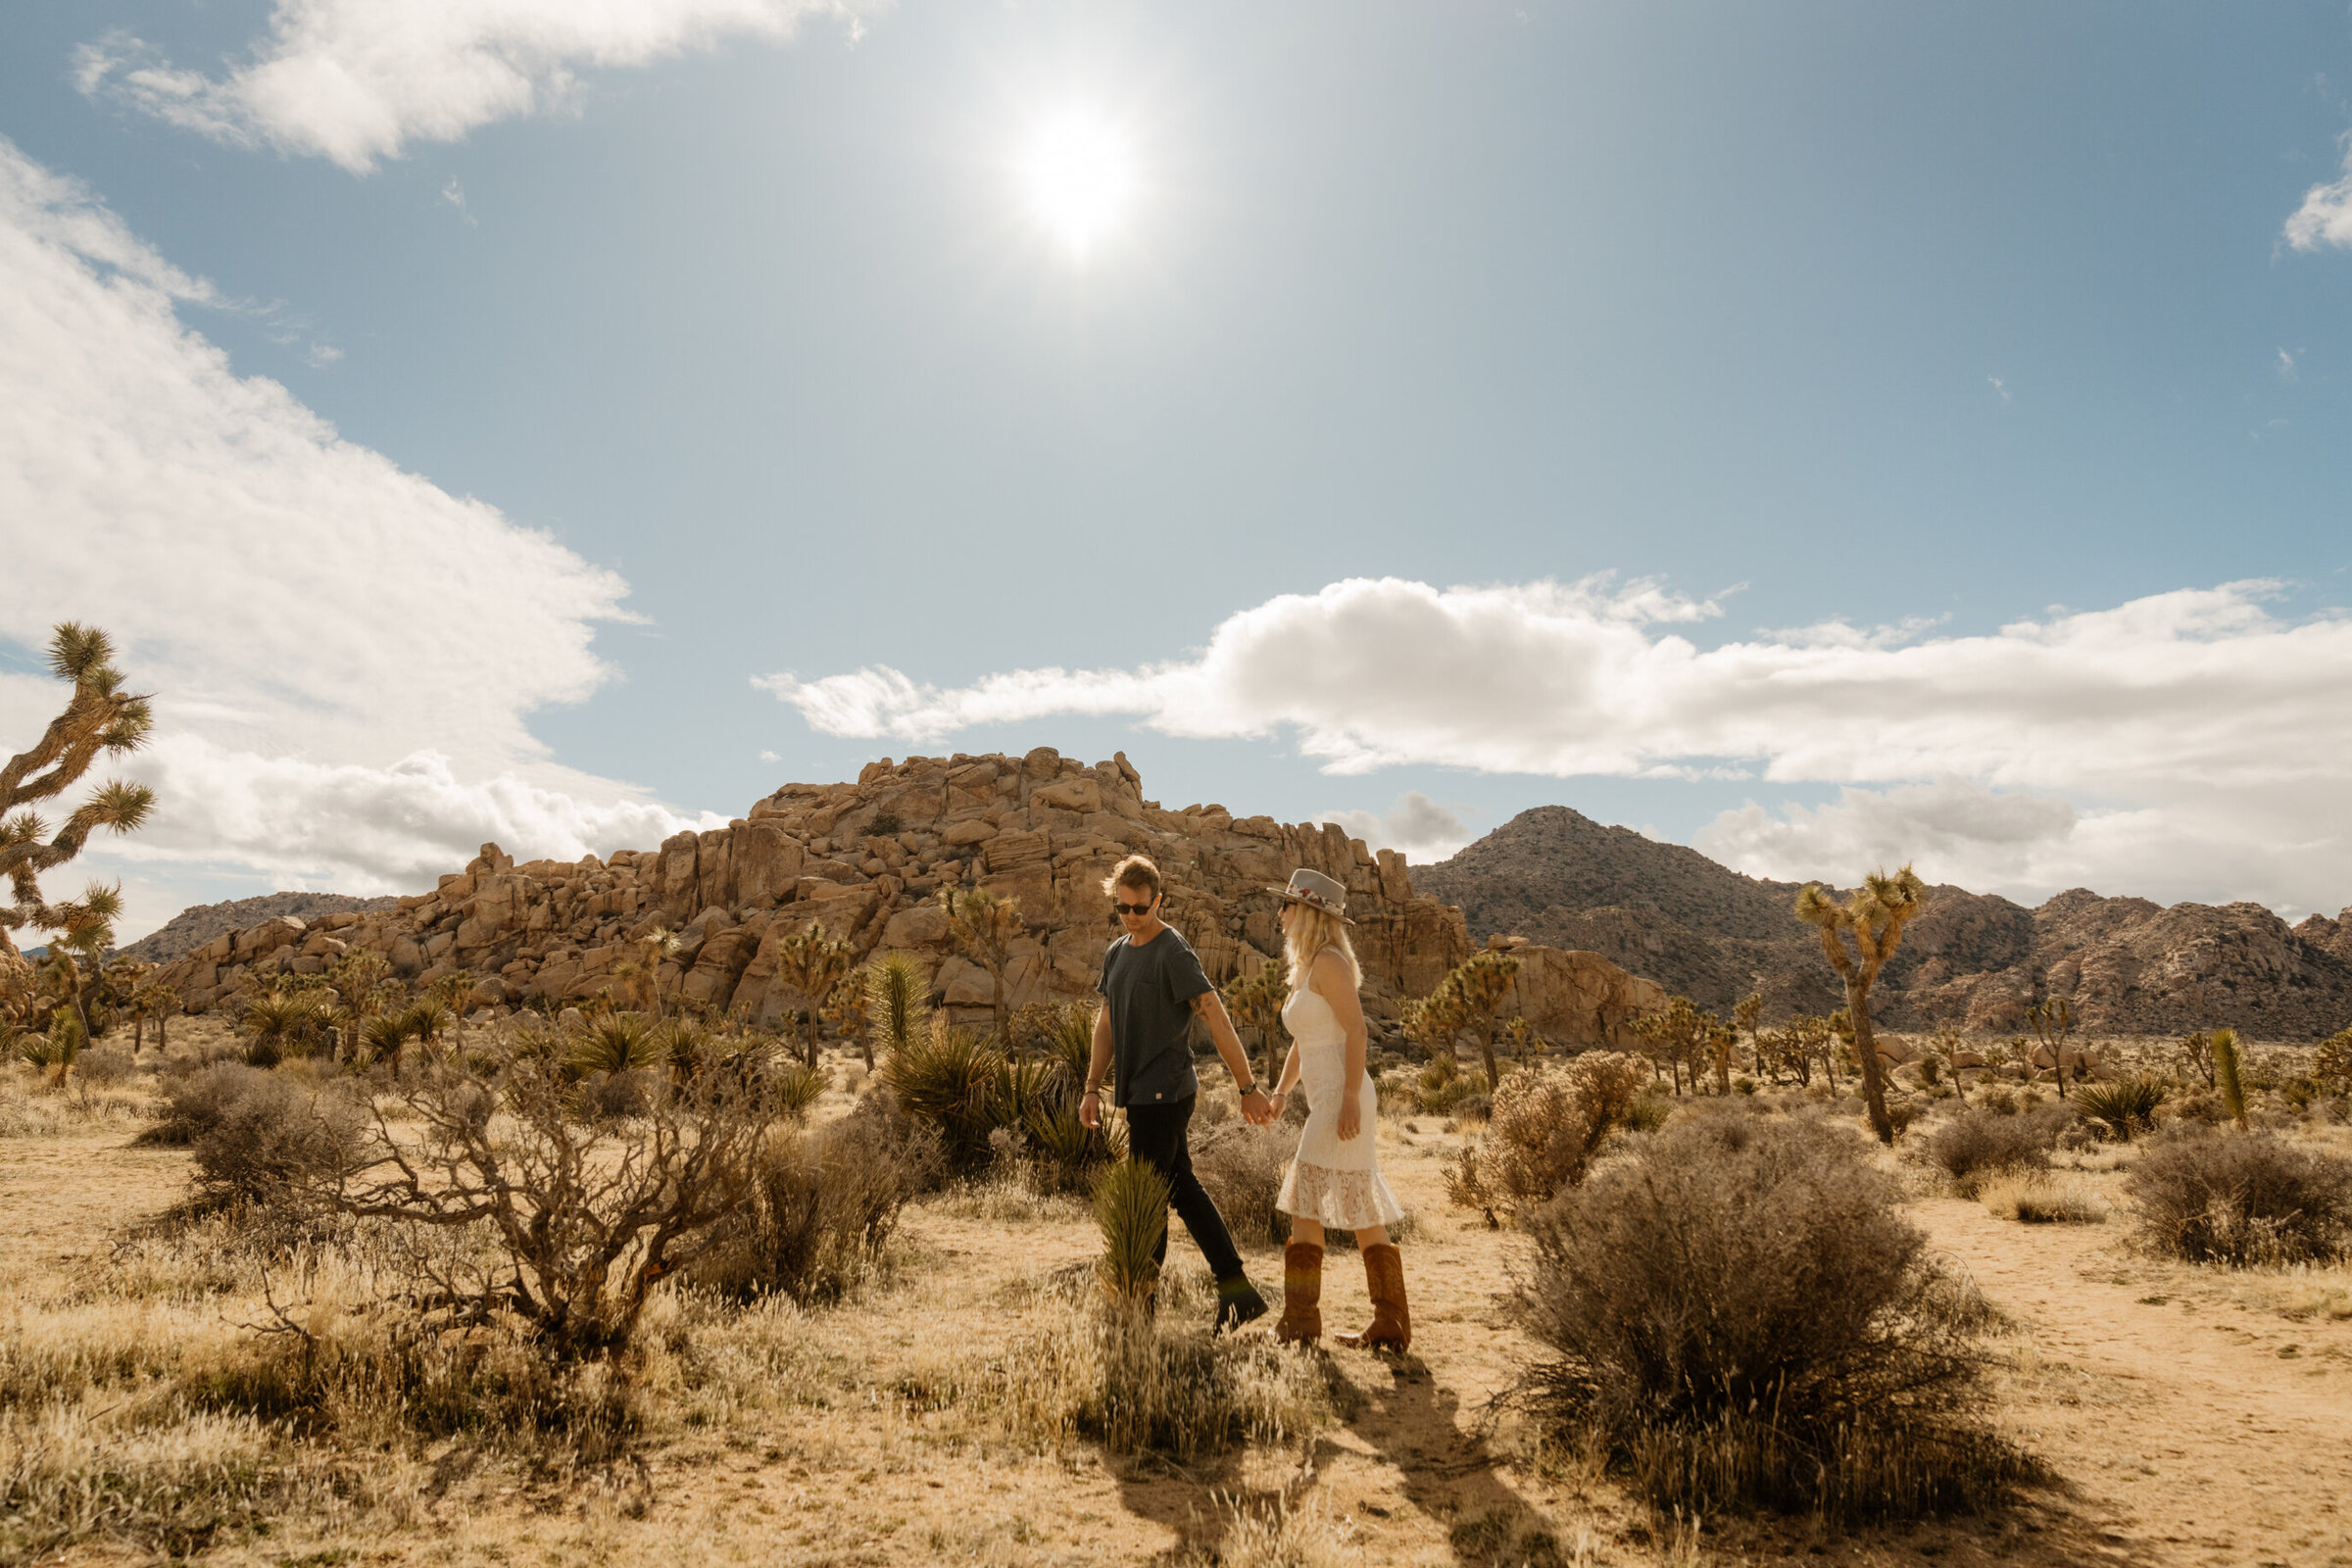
1309, 934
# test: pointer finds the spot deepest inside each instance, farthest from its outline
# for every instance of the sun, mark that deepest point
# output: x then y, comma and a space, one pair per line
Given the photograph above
1078, 172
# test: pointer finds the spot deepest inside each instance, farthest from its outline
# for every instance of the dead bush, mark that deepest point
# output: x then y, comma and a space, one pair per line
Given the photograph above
2241, 1200
260, 1140
579, 1218
1544, 1128
1740, 1316
1976, 1144
1242, 1168
821, 1209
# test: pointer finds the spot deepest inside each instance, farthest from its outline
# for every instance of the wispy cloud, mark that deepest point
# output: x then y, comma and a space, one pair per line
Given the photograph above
2325, 216
307, 615
357, 80
1415, 826
2233, 725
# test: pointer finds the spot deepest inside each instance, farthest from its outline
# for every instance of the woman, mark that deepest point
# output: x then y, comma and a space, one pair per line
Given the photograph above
1335, 1179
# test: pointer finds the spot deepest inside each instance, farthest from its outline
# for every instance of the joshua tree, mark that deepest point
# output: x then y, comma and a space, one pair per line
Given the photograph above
2051, 1023
1526, 1043
1681, 1035
895, 1011
2197, 1050
984, 926
100, 716
1433, 1023
1873, 921
1256, 1002
85, 934
844, 1009
151, 998
811, 963
2331, 1065
1747, 1013
1480, 983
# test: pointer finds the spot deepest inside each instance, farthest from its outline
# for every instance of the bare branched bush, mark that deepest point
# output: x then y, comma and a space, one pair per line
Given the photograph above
1544, 1128
581, 1216
821, 1208
1740, 1316
1978, 1145
2241, 1201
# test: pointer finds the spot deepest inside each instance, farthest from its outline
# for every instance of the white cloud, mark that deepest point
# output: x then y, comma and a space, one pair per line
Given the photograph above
306, 615
2325, 216
2232, 726
357, 81
1415, 826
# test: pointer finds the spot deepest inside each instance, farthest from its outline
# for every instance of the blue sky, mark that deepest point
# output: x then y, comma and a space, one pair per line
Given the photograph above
1861, 332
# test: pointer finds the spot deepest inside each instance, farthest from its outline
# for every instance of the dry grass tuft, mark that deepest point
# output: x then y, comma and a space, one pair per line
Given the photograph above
1279, 1533
1111, 1373
2037, 1198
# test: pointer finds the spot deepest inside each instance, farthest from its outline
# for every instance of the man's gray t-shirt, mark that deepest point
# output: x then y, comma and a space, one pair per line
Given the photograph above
1149, 990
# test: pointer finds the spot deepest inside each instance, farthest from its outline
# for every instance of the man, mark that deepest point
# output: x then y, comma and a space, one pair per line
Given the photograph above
1153, 987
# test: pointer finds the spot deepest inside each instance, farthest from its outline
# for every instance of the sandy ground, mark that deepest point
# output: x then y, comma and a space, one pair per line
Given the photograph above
2190, 1416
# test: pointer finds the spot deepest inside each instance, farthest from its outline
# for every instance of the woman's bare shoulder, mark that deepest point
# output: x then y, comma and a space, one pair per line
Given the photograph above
1331, 974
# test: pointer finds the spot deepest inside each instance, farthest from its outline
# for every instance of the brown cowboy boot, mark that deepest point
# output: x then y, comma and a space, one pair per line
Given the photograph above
1392, 1325
1301, 1321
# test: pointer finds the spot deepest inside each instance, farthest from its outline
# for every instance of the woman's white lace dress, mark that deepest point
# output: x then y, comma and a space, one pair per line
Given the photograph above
1333, 1180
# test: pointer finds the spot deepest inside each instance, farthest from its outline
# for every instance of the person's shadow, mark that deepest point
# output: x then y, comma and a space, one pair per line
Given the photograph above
1412, 1422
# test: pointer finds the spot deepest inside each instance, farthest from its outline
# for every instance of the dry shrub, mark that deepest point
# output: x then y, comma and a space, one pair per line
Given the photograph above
1242, 1167
1978, 1145
105, 1066
1547, 1125
1740, 1316
2037, 1198
573, 1220
2242, 1200
258, 1139
1114, 1375
821, 1208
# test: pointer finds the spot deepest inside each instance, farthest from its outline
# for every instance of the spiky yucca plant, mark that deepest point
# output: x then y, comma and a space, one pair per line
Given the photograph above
386, 1037
951, 1079
1131, 1205
1873, 921
2124, 1106
897, 1008
2225, 1074
622, 1041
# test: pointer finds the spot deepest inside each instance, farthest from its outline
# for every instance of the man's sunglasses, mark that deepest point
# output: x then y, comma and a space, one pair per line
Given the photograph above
1139, 910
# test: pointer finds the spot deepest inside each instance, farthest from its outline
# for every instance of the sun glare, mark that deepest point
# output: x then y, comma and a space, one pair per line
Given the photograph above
1079, 176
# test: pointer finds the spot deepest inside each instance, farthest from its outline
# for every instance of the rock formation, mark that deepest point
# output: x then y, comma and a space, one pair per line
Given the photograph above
868, 860
200, 923
1973, 960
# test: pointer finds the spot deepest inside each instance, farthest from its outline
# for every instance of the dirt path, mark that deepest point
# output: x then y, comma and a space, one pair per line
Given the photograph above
2191, 1427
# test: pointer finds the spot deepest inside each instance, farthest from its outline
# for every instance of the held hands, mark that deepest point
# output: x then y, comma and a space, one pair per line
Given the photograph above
1256, 1109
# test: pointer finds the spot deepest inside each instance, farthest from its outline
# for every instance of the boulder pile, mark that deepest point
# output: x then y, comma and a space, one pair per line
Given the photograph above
870, 859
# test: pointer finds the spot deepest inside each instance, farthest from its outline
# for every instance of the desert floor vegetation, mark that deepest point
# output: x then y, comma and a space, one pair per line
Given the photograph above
911, 1358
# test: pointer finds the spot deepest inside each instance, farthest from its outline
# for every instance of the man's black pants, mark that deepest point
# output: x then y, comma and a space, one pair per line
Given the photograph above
1156, 1135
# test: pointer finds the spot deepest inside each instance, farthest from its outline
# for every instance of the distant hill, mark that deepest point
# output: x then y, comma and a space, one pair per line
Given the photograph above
1972, 959
194, 926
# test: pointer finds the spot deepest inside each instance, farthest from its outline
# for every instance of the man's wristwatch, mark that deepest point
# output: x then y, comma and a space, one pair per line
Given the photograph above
1249, 1089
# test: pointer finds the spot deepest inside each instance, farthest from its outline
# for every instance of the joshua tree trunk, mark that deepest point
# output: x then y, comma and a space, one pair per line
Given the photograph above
1866, 1047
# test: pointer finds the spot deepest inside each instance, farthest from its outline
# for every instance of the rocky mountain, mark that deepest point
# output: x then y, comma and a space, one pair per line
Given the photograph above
1974, 961
200, 923
870, 859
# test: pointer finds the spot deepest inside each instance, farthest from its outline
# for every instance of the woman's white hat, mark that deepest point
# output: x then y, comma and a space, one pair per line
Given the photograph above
1317, 891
